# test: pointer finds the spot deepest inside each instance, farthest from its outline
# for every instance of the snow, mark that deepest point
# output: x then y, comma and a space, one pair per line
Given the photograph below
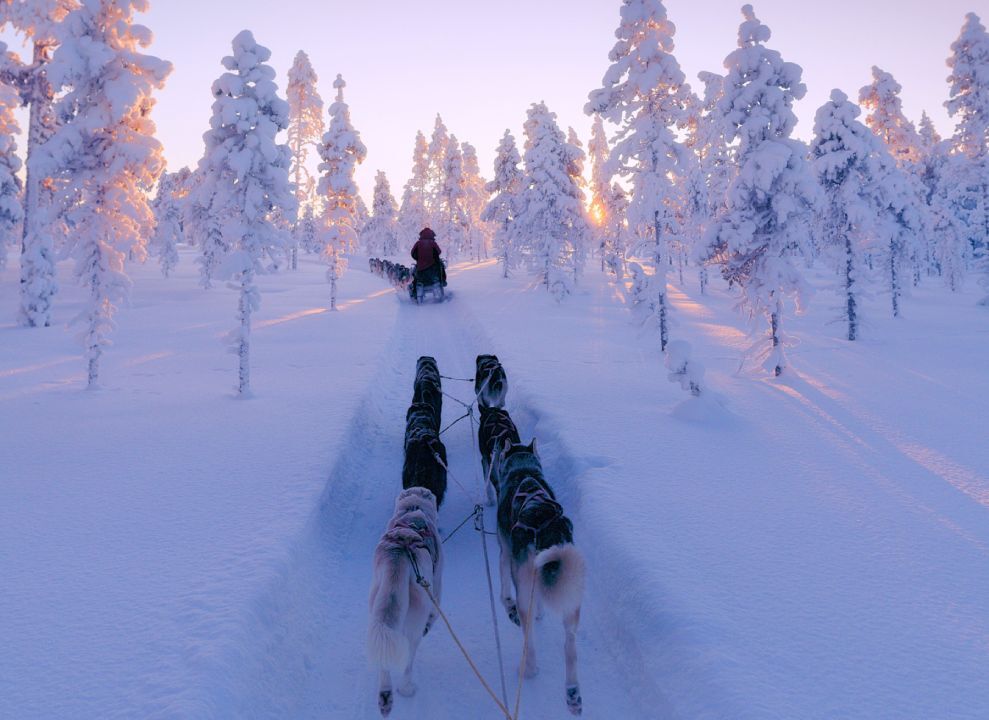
813, 546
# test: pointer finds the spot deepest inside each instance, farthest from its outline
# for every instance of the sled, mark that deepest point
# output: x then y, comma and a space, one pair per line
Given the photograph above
431, 286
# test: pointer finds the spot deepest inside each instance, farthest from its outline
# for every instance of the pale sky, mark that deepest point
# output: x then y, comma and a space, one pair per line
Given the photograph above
481, 64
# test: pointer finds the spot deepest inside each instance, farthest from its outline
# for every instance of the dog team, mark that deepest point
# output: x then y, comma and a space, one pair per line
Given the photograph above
398, 275
539, 563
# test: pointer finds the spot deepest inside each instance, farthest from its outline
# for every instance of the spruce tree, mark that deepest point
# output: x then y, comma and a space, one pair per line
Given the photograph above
102, 155
37, 20
11, 209
770, 199
413, 215
245, 179
305, 128
502, 208
380, 235
644, 93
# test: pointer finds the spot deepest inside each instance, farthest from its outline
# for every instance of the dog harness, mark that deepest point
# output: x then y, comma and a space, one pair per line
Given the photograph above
536, 496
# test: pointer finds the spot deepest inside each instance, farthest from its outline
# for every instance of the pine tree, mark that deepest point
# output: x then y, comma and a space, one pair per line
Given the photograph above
550, 216
644, 93
38, 20
600, 187
881, 99
502, 208
851, 167
413, 215
454, 219
103, 154
168, 222
11, 210
969, 104
305, 128
380, 234
245, 179
478, 232
341, 151
436, 160
771, 197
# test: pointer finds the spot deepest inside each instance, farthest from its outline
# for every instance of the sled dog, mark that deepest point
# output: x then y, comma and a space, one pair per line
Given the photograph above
428, 387
493, 432
400, 609
536, 541
425, 454
490, 382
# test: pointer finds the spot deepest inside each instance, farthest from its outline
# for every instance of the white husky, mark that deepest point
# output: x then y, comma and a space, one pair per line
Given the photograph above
401, 611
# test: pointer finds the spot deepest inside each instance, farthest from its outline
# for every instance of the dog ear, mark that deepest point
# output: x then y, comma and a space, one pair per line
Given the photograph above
533, 449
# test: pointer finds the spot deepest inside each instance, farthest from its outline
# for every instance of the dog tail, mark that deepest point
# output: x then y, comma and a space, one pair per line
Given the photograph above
561, 577
387, 646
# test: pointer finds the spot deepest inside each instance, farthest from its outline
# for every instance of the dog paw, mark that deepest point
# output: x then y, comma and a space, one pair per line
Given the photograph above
574, 702
513, 613
530, 670
385, 702
407, 689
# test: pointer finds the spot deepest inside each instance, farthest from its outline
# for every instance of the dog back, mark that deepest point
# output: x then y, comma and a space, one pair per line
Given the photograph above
490, 382
495, 429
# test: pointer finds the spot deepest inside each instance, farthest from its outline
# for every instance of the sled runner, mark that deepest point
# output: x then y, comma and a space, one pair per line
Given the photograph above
431, 281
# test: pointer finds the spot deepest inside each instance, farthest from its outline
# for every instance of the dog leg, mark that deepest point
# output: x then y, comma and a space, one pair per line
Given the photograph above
384, 693
408, 688
507, 581
489, 486
574, 702
524, 582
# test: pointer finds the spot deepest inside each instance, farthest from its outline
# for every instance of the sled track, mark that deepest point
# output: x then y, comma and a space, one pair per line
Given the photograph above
312, 662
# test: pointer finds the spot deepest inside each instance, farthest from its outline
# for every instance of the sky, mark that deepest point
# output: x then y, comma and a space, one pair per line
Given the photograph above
481, 64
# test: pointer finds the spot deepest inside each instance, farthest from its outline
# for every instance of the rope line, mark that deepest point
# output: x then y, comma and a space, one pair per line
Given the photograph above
479, 526
473, 513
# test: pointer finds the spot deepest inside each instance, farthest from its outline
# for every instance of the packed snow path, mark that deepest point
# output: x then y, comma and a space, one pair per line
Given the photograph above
335, 680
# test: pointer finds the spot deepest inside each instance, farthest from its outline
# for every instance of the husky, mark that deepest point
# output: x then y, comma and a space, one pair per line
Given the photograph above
401, 612
425, 454
490, 382
494, 430
428, 387
536, 541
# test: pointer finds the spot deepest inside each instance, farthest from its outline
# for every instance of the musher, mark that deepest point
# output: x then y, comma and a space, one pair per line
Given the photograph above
429, 270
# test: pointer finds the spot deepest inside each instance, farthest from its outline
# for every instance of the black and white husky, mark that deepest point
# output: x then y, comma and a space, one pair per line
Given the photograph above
536, 541
494, 431
490, 382
401, 611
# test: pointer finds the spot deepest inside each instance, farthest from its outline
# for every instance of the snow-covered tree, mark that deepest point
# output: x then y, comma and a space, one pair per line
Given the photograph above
245, 179
436, 161
968, 103
615, 230
881, 101
37, 20
380, 234
644, 92
11, 210
306, 231
770, 200
851, 167
413, 215
341, 151
103, 154
599, 152
476, 197
550, 216
453, 216
168, 222
501, 209
305, 128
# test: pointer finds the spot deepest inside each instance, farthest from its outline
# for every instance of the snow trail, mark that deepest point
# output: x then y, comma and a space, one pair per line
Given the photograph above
314, 648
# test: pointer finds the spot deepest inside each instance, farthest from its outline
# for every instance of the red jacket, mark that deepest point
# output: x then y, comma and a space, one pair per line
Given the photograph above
426, 253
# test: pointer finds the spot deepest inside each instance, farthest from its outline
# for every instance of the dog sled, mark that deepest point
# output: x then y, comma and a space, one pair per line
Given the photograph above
431, 282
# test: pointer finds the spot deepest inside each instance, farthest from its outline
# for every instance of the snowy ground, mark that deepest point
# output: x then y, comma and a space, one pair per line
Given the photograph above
816, 549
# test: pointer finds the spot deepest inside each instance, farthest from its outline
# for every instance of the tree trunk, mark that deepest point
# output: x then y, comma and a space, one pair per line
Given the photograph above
660, 277
894, 281
244, 339
37, 251
850, 303
774, 321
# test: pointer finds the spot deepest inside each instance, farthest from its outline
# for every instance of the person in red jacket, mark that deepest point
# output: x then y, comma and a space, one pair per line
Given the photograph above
429, 270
